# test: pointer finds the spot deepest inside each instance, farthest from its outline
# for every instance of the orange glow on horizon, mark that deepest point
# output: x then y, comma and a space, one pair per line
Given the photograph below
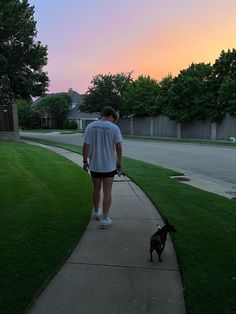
154, 38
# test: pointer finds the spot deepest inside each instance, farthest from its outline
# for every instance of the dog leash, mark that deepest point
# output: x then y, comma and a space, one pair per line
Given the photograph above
120, 173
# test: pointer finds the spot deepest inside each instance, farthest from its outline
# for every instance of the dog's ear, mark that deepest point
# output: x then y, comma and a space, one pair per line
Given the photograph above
166, 221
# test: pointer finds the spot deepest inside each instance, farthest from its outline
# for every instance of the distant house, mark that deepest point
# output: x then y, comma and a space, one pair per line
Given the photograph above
82, 118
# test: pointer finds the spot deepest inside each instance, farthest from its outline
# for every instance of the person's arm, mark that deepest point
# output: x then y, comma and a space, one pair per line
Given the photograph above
85, 156
118, 154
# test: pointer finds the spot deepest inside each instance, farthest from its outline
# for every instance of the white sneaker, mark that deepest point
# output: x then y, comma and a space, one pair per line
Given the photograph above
105, 223
97, 215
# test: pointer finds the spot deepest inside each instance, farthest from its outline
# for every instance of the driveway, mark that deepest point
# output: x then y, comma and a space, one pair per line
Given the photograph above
209, 167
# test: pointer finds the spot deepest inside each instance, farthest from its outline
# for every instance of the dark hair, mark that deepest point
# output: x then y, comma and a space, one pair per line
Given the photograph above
109, 111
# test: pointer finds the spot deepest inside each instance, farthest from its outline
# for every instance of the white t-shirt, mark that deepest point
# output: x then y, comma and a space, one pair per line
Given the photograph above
102, 137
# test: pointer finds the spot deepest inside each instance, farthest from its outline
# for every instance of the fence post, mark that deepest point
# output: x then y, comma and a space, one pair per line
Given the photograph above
213, 130
15, 119
131, 125
151, 126
179, 127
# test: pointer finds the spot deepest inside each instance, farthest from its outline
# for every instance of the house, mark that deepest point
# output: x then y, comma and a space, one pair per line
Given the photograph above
82, 118
9, 127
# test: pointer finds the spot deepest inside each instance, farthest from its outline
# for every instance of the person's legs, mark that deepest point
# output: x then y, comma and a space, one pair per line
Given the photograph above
107, 188
97, 183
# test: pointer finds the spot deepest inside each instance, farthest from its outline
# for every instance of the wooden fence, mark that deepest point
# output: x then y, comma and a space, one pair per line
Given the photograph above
9, 129
6, 118
162, 126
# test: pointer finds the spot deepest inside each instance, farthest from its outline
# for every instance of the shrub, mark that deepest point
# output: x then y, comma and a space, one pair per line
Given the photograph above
70, 124
73, 125
66, 124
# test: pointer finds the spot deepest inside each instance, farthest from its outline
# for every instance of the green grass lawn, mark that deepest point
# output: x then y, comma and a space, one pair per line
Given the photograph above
42, 130
45, 204
70, 147
206, 239
61, 131
182, 140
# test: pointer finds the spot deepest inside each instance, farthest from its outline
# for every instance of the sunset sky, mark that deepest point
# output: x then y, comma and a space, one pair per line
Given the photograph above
151, 37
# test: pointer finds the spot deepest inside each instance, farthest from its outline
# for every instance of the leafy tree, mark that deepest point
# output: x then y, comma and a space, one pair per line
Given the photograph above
224, 73
54, 107
22, 58
225, 65
28, 117
164, 86
24, 114
106, 90
141, 97
5, 90
35, 119
227, 95
189, 95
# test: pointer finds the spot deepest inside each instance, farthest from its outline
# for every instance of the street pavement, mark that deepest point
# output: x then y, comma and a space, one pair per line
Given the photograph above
208, 167
110, 271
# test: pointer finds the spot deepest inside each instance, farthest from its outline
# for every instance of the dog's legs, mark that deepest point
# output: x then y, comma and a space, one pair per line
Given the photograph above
159, 255
163, 246
151, 260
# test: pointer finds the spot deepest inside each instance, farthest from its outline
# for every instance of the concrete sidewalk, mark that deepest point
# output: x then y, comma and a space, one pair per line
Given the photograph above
109, 271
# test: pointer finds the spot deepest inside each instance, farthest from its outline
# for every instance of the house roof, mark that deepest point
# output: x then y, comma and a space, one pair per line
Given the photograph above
34, 103
74, 113
76, 98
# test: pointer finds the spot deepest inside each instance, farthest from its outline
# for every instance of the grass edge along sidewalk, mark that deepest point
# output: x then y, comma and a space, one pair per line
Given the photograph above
45, 205
206, 239
223, 143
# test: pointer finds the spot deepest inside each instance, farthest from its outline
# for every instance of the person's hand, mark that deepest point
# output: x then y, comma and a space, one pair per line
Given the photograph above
118, 167
85, 166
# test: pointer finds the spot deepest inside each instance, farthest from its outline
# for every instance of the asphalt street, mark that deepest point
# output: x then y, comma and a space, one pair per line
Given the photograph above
215, 165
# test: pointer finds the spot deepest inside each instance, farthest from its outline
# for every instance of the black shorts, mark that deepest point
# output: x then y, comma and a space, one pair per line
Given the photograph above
103, 174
